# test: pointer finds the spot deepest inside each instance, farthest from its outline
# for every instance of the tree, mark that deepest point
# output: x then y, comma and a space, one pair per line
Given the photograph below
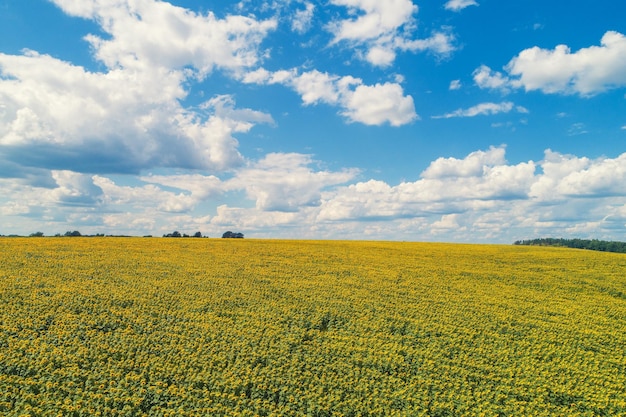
197, 234
594, 244
74, 233
232, 235
36, 234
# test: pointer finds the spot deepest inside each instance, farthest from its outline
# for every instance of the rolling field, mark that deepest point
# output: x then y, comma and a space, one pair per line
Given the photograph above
230, 327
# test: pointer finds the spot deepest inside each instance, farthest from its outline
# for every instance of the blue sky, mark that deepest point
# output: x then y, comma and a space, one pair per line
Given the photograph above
460, 120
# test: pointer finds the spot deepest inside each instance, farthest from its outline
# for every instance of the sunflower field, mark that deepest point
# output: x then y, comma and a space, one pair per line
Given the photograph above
231, 327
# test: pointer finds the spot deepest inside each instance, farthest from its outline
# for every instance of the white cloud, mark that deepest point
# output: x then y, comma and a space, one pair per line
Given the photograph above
199, 186
485, 77
285, 182
380, 56
133, 110
382, 28
447, 223
301, 22
457, 5
277, 182
586, 72
569, 176
470, 166
73, 189
484, 109
145, 196
223, 107
485, 182
478, 197
455, 85
315, 86
376, 19
378, 104
476, 193
154, 33
440, 43
368, 104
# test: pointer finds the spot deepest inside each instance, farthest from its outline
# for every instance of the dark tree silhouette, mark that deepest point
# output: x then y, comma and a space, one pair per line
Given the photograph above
232, 235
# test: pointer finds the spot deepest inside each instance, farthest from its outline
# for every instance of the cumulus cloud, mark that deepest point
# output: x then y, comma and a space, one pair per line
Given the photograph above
146, 195
447, 186
130, 117
485, 77
368, 104
380, 103
277, 182
74, 189
484, 109
376, 19
154, 33
283, 188
586, 72
484, 195
470, 166
199, 186
301, 22
383, 28
286, 182
570, 176
447, 223
457, 5
315, 86
110, 122
455, 85
68, 194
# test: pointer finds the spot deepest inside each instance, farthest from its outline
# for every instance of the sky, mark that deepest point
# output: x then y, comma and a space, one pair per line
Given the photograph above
480, 121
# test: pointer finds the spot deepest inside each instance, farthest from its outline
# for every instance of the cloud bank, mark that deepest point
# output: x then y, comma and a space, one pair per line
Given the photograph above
480, 195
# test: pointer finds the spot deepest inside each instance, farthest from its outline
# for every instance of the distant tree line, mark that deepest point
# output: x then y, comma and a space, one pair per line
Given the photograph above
71, 233
232, 235
176, 233
590, 244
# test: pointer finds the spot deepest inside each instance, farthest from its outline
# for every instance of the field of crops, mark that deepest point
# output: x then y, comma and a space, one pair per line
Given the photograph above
230, 327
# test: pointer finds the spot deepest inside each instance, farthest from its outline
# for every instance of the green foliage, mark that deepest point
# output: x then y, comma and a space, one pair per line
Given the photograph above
594, 244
